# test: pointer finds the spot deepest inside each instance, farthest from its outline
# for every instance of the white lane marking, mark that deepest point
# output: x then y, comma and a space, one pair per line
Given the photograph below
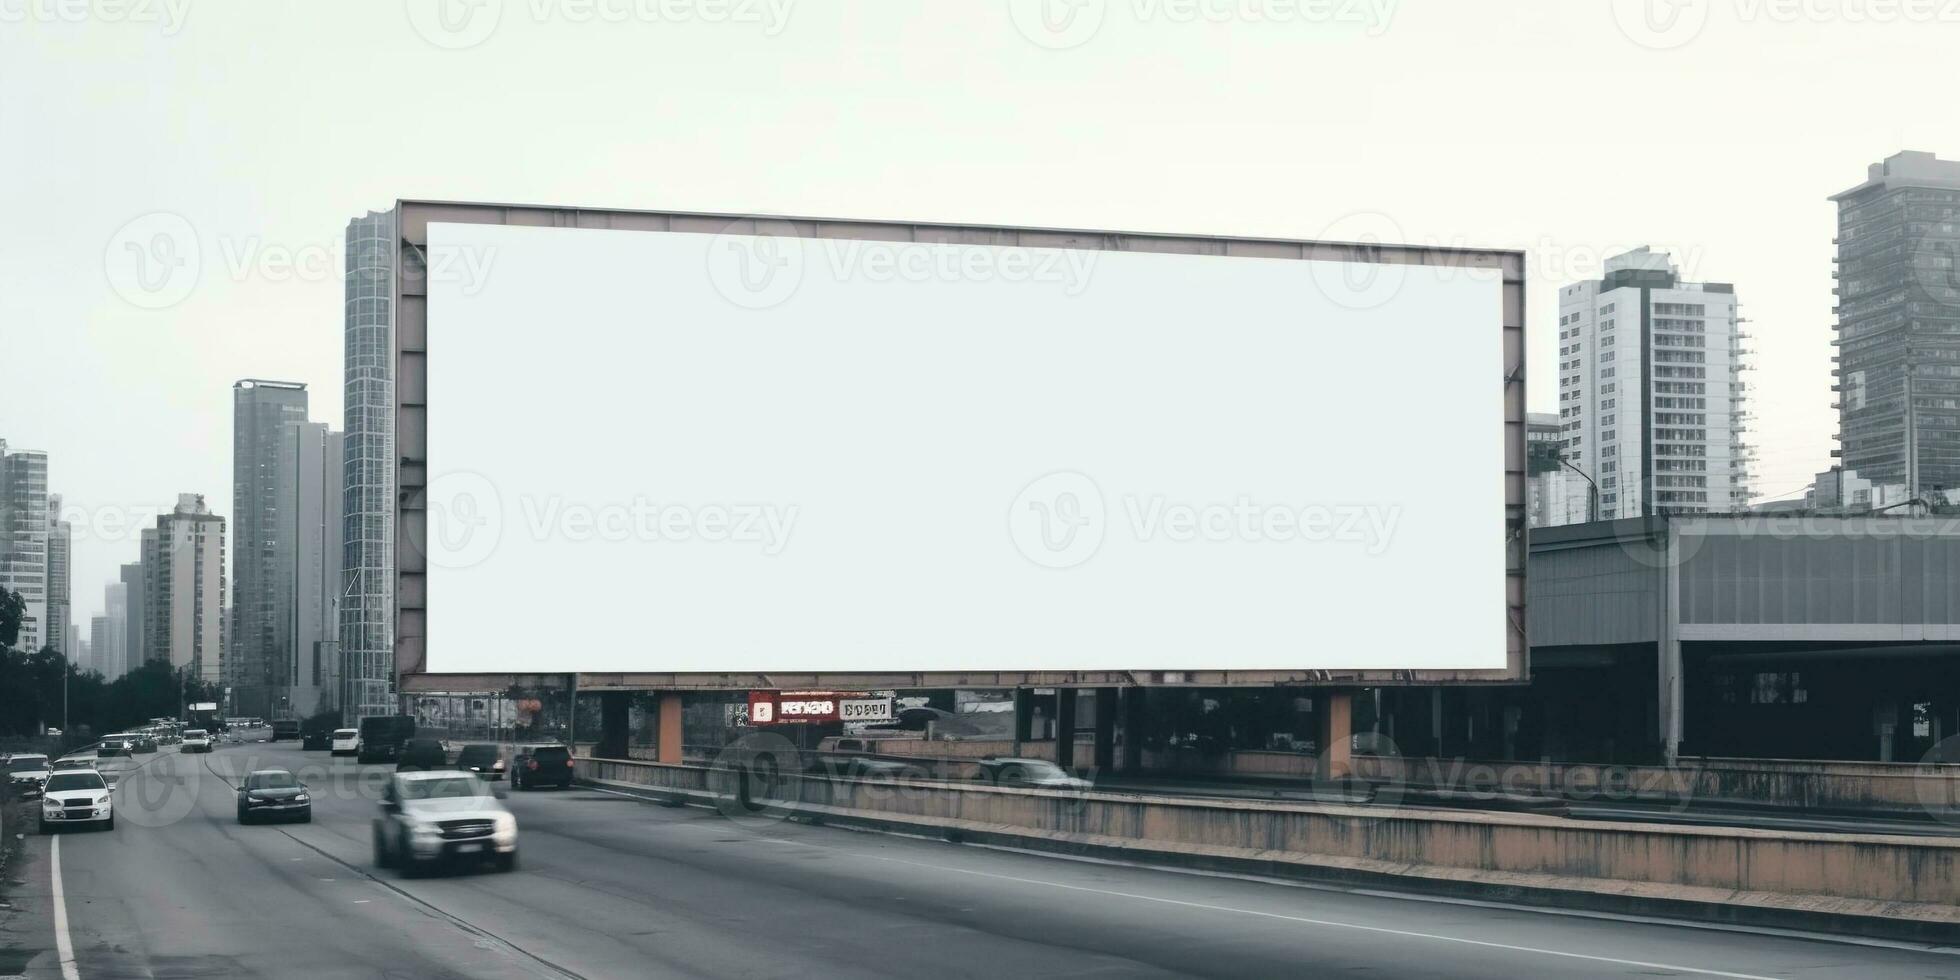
64, 946
1303, 920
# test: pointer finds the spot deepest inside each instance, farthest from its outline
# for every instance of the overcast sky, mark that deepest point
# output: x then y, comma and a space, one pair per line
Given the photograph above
1571, 128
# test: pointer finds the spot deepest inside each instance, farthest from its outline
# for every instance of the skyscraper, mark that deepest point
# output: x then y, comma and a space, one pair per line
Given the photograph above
1898, 329
98, 639
184, 585
367, 606
261, 591
108, 655
1650, 389
130, 656
310, 474
24, 538
60, 591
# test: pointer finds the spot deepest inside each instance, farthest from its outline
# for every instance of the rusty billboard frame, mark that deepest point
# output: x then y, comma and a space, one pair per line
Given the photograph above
409, 311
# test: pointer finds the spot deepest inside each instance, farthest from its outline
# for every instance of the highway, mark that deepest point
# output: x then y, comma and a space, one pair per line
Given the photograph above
611, 886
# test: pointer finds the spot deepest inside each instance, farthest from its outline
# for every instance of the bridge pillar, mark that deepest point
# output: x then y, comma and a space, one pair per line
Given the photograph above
1132, 729
668, 742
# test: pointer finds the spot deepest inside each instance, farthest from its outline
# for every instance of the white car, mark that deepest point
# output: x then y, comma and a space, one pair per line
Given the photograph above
76, 796
430, 817
196, 740
29, 773
346, 741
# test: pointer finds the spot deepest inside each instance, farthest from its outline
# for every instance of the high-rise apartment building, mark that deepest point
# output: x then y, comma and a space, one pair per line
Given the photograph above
1650, 389
1555, 494
367, 597
261, 595
24, 539
1898, 329
310, 475
60, 591
184, 589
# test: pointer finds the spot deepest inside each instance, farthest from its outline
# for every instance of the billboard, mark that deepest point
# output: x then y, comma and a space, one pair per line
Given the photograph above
742, 448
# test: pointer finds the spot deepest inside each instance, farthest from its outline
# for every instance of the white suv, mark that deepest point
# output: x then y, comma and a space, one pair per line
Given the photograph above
196, 740
346, 741
76, 796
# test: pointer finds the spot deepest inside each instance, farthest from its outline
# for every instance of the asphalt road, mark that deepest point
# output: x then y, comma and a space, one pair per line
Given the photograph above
610, 886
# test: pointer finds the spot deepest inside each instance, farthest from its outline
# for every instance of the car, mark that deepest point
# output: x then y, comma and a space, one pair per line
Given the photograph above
382, 737
314, 739
268, 794
429, 817
76, 796
345, 741
542, 765
422, 754
112, 745
1038, 773
54, 733
28, 771
196, 740
142, 744
483, 759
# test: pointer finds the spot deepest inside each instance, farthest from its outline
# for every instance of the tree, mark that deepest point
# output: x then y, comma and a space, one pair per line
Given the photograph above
13, 611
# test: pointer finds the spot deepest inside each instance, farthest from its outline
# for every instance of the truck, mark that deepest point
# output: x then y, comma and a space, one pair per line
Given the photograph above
382, 737
284, 728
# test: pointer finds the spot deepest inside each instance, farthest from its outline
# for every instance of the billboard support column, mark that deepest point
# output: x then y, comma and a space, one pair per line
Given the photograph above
1065, 727
1335, 734
614, 707
1023, 717
1105, 729
1133, 728
668, 744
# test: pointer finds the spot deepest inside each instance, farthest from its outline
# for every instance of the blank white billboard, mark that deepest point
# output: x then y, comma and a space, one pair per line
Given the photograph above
661, 451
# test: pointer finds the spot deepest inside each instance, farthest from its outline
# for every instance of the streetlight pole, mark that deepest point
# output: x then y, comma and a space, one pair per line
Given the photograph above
1592, 499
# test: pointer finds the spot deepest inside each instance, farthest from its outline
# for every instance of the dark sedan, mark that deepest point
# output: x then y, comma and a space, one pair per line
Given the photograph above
273, 794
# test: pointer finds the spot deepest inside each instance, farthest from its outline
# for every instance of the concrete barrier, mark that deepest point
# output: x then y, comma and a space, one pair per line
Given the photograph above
1902, 887
1803, 785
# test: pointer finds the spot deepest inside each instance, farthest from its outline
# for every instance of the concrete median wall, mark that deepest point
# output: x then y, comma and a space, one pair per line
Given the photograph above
1914, 882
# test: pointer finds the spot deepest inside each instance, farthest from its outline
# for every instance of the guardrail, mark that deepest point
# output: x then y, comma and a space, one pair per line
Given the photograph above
1905, 887
1803, 785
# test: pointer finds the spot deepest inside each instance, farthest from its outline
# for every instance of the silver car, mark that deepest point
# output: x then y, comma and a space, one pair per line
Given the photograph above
427, 818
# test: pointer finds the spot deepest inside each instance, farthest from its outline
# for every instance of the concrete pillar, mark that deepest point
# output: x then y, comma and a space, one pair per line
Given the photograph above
1065, 727
1105, 729
1133, 705
614, 712
668, 744
1023, 717
1335, 721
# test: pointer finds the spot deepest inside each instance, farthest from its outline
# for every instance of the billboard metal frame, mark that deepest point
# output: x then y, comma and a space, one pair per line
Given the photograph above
410, 312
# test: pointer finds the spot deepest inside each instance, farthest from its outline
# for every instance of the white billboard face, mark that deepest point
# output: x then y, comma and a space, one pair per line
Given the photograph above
658, 451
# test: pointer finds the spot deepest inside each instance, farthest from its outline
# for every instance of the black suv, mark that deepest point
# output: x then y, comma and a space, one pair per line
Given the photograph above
422, 754
483, 759
542, 765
